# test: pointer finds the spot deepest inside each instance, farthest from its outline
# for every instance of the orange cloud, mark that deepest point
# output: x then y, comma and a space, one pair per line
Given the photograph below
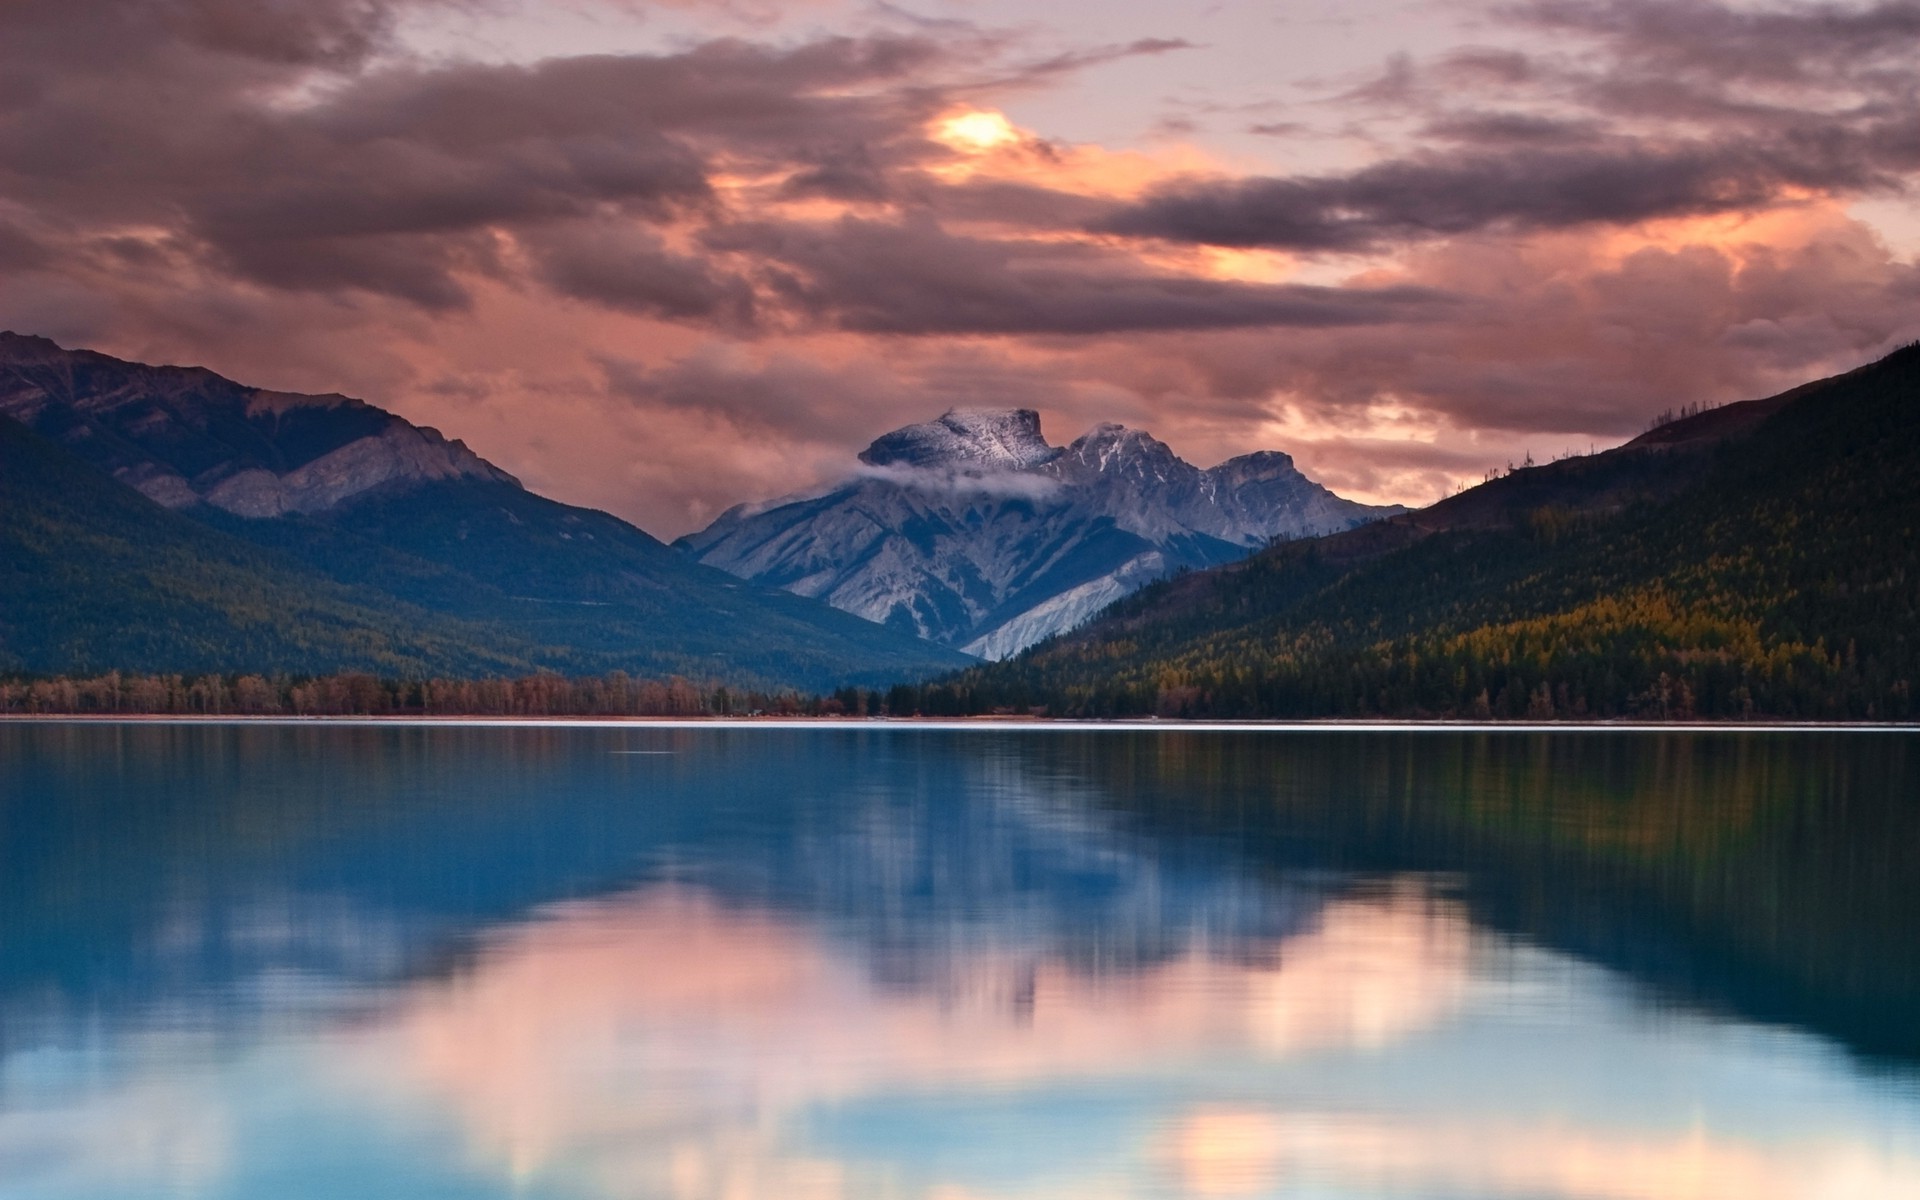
988, 146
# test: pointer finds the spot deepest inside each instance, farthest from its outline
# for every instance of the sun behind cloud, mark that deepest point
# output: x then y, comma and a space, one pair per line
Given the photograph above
976, 131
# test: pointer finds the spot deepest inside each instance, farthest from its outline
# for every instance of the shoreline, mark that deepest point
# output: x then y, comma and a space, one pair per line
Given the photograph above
974, 724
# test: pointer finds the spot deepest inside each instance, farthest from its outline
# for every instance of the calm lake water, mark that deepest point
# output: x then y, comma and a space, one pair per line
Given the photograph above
283, 962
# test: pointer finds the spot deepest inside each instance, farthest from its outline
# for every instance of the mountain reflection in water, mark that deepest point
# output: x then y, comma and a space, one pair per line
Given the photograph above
478, 962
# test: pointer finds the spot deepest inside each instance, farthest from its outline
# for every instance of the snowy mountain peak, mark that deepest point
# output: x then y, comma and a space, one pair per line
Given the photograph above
1260, 465
990, 540
993, 438
1109, 447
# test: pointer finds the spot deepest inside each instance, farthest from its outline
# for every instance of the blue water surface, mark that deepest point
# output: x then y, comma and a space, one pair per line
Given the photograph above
306, 961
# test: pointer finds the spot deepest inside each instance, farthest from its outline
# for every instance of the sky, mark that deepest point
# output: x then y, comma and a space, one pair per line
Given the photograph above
662, 258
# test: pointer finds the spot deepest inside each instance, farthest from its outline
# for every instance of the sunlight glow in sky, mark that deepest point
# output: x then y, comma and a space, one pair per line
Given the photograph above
976, 131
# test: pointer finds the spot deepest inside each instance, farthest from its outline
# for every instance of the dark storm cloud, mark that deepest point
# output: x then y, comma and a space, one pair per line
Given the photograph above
263, 142
1528, 187
791, 397
1411, 84
1024, 206
1753, 70
845, 403
1494, 128
1793, 43
1690, 108
627, 267
260, 134
272, 144
852, 174
327, 32
394, 189
912, 277
287, 33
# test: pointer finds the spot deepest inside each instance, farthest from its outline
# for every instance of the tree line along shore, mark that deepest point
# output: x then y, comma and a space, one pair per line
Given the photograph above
357, 694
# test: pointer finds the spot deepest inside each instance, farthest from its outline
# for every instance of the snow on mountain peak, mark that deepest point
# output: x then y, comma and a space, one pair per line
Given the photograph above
1261, 464
971, 530
994, 438
1109, 446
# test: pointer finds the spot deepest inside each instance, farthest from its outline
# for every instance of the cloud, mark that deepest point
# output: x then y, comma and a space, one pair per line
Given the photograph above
1798, 43
302, 164
1001, 484
1685, 109
1096, 56
797, 398
913, 277
1508, 128
1488, 65
1525, 188
299, 33
628, 267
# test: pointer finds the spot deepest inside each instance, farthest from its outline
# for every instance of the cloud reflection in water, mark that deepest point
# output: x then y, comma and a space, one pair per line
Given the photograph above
663, 1043
664, 1029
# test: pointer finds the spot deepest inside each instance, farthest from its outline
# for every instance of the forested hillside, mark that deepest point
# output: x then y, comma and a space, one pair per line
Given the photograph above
96, 578
1754, 560
169, 520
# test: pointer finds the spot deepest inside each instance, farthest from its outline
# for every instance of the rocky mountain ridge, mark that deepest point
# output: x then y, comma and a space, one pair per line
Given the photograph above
184, 435
986, 439
972, 530
1754, 560
421, 554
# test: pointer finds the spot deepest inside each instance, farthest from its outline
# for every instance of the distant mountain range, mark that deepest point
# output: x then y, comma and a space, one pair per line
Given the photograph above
168, 519
975, 532
1757, 559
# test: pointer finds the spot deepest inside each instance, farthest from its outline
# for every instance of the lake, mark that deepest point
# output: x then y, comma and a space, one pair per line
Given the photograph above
296, 961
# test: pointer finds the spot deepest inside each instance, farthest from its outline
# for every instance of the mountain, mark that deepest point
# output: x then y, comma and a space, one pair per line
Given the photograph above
973, 531
96, 577
1755, 559
413, 538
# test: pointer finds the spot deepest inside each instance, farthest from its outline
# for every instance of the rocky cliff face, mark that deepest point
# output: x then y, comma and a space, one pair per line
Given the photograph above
185, 436
979, 439
973, 531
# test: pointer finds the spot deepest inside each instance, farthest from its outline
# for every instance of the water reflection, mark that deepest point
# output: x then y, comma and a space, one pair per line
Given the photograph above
662, 1032
477, 963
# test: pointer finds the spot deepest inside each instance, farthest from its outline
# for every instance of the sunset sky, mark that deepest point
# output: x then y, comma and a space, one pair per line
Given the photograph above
663, 257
